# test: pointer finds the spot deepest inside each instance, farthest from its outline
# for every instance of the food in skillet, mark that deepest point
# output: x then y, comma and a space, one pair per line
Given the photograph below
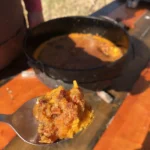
78, 51
61, 114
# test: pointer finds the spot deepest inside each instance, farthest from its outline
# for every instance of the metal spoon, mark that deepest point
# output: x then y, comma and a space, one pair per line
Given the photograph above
23, 122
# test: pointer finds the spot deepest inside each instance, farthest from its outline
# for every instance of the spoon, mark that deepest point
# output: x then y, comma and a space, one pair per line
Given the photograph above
23, 122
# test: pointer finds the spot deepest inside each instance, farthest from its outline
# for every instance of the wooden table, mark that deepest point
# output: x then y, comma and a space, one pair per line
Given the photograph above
118, 135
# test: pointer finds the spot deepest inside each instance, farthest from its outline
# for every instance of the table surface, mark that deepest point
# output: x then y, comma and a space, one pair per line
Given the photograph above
121, 120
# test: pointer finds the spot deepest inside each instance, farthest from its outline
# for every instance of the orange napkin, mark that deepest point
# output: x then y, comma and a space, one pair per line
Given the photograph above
13, 95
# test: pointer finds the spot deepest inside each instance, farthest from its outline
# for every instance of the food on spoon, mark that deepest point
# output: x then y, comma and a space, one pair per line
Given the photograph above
78, 51
61, 114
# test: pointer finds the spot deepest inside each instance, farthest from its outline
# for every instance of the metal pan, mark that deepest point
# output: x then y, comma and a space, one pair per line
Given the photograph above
103, 26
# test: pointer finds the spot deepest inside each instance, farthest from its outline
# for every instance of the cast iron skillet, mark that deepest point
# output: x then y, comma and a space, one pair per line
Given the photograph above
103, 26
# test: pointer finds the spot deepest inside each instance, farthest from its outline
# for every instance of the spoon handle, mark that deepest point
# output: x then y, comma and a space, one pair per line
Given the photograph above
3, 118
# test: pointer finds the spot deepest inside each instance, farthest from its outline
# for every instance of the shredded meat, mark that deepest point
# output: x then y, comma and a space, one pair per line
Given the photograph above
60, 114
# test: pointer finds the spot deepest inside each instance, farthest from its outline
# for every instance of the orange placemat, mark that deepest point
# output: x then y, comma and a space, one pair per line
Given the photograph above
12, 95
132, 121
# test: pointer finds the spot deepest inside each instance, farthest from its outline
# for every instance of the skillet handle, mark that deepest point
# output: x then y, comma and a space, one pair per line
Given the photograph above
117, 21
37, 65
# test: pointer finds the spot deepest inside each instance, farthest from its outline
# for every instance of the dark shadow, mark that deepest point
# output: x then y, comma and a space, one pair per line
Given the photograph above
133, 68
141, 86
146, 143
18, 65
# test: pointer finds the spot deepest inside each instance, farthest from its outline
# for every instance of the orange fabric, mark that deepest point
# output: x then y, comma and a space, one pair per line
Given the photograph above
5, 130
132, 122
13, 95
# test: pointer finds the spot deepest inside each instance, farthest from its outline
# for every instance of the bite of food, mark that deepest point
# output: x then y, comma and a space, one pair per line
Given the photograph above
62, 114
